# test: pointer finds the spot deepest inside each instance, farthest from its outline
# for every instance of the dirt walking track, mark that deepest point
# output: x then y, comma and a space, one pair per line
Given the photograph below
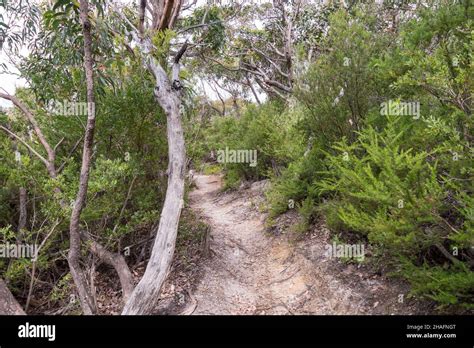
252, 272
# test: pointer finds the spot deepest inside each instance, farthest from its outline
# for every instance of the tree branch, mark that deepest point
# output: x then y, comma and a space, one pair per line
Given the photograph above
44, 160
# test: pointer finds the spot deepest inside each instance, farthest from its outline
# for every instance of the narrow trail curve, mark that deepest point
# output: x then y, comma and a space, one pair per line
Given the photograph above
251, 272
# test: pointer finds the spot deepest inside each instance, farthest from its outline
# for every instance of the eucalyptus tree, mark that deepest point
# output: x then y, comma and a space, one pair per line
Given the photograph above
152, 34
87, 301
61, 22
271, 47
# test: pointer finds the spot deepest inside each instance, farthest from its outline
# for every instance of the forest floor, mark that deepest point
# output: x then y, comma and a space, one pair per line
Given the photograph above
253, 271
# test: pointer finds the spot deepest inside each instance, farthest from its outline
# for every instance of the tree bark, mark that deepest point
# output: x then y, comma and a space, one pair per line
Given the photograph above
23, 196
8, 304
86, 298
22, 218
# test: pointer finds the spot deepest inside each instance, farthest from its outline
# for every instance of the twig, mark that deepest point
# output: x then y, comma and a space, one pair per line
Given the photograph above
127, 198
285, 279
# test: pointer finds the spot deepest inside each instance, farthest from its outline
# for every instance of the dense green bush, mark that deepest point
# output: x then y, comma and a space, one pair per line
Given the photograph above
396, 198
334, 97
404, 183
267, 129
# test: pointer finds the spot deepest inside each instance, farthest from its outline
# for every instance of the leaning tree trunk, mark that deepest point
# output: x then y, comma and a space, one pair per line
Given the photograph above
8, 304
146, 294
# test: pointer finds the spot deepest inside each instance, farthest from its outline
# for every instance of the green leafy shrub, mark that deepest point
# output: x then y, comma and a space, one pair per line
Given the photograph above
265, 129
447, 286
396, 197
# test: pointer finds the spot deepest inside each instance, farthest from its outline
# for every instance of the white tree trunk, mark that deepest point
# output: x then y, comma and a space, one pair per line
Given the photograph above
145, 295
8, 304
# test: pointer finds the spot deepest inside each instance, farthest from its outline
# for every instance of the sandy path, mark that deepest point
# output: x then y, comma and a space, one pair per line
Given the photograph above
253, 273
